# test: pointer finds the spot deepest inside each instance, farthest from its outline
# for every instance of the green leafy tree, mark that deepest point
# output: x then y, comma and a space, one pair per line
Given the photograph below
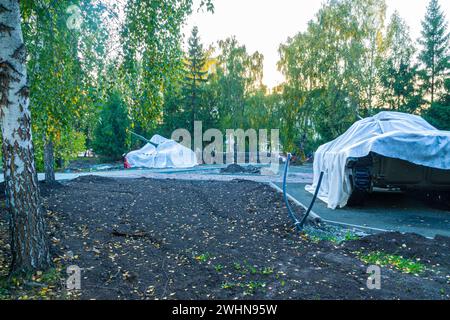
398, 72
111, 133
152, 55
239, 75
367, 47
298, 69
53, 91
62, 56
434, 54
332, 71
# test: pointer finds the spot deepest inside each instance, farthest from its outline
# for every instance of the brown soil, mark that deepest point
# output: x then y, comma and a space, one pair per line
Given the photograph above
171, 239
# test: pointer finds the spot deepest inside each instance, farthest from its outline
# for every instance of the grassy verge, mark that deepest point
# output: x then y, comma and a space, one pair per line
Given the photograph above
396, 262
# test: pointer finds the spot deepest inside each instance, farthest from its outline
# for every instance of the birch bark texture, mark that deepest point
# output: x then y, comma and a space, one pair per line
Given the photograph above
28, 239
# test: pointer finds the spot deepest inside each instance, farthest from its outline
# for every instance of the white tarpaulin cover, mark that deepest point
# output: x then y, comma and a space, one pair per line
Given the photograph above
391, 134
166, 154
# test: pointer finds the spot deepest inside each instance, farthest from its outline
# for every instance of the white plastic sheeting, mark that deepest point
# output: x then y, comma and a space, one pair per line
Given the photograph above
391, 134
166, 154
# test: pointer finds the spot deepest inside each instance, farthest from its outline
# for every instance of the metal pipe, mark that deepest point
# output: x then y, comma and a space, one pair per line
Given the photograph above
142, 138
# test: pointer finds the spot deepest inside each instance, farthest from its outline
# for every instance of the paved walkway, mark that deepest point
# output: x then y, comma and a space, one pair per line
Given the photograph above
205, 172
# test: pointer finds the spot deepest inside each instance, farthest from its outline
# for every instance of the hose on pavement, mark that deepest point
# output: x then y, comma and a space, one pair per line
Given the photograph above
298, 223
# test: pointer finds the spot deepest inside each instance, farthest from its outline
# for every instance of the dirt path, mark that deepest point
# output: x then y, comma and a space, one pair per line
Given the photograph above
170, 239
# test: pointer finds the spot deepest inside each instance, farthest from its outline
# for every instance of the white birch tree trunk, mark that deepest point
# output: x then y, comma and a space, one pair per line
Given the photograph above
28, 241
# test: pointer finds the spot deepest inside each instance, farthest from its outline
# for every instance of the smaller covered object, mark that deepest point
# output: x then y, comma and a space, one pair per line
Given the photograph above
390, 150
161, 153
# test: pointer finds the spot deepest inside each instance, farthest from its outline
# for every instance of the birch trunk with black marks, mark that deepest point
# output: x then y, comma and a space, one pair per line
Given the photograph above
28, 239
49, 161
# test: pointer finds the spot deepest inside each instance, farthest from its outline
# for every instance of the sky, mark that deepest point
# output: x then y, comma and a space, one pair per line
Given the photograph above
262, 25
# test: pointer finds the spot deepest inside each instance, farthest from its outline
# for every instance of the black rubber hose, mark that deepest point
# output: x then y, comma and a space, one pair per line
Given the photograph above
298, 224
312, 202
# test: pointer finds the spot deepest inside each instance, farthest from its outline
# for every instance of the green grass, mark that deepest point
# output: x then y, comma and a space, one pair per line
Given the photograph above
252, 274
252, 286
349, 236
247, 268
237, 266
333, 235
389, 260
251, 268
228, 285
218, 267
204, 257
267, 271
317, 239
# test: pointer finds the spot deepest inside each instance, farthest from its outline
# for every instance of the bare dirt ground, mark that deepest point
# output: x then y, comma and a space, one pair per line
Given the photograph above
171, 239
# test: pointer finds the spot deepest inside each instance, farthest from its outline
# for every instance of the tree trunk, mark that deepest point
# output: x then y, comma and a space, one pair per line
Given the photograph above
433, 74
49, 161
432, 88
28, 246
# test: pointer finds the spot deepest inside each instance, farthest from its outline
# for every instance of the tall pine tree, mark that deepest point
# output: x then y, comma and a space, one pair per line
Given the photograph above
434, 55
111, 133
195, 77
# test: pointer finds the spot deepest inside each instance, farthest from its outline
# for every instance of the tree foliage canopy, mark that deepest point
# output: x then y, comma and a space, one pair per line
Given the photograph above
350, 62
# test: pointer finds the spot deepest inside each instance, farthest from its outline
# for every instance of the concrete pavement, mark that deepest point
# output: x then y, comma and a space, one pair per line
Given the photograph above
381, 212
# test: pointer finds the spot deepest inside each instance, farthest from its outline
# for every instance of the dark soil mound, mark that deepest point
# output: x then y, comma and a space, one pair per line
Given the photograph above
93, 179
235, 168
47, 188
44, 188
